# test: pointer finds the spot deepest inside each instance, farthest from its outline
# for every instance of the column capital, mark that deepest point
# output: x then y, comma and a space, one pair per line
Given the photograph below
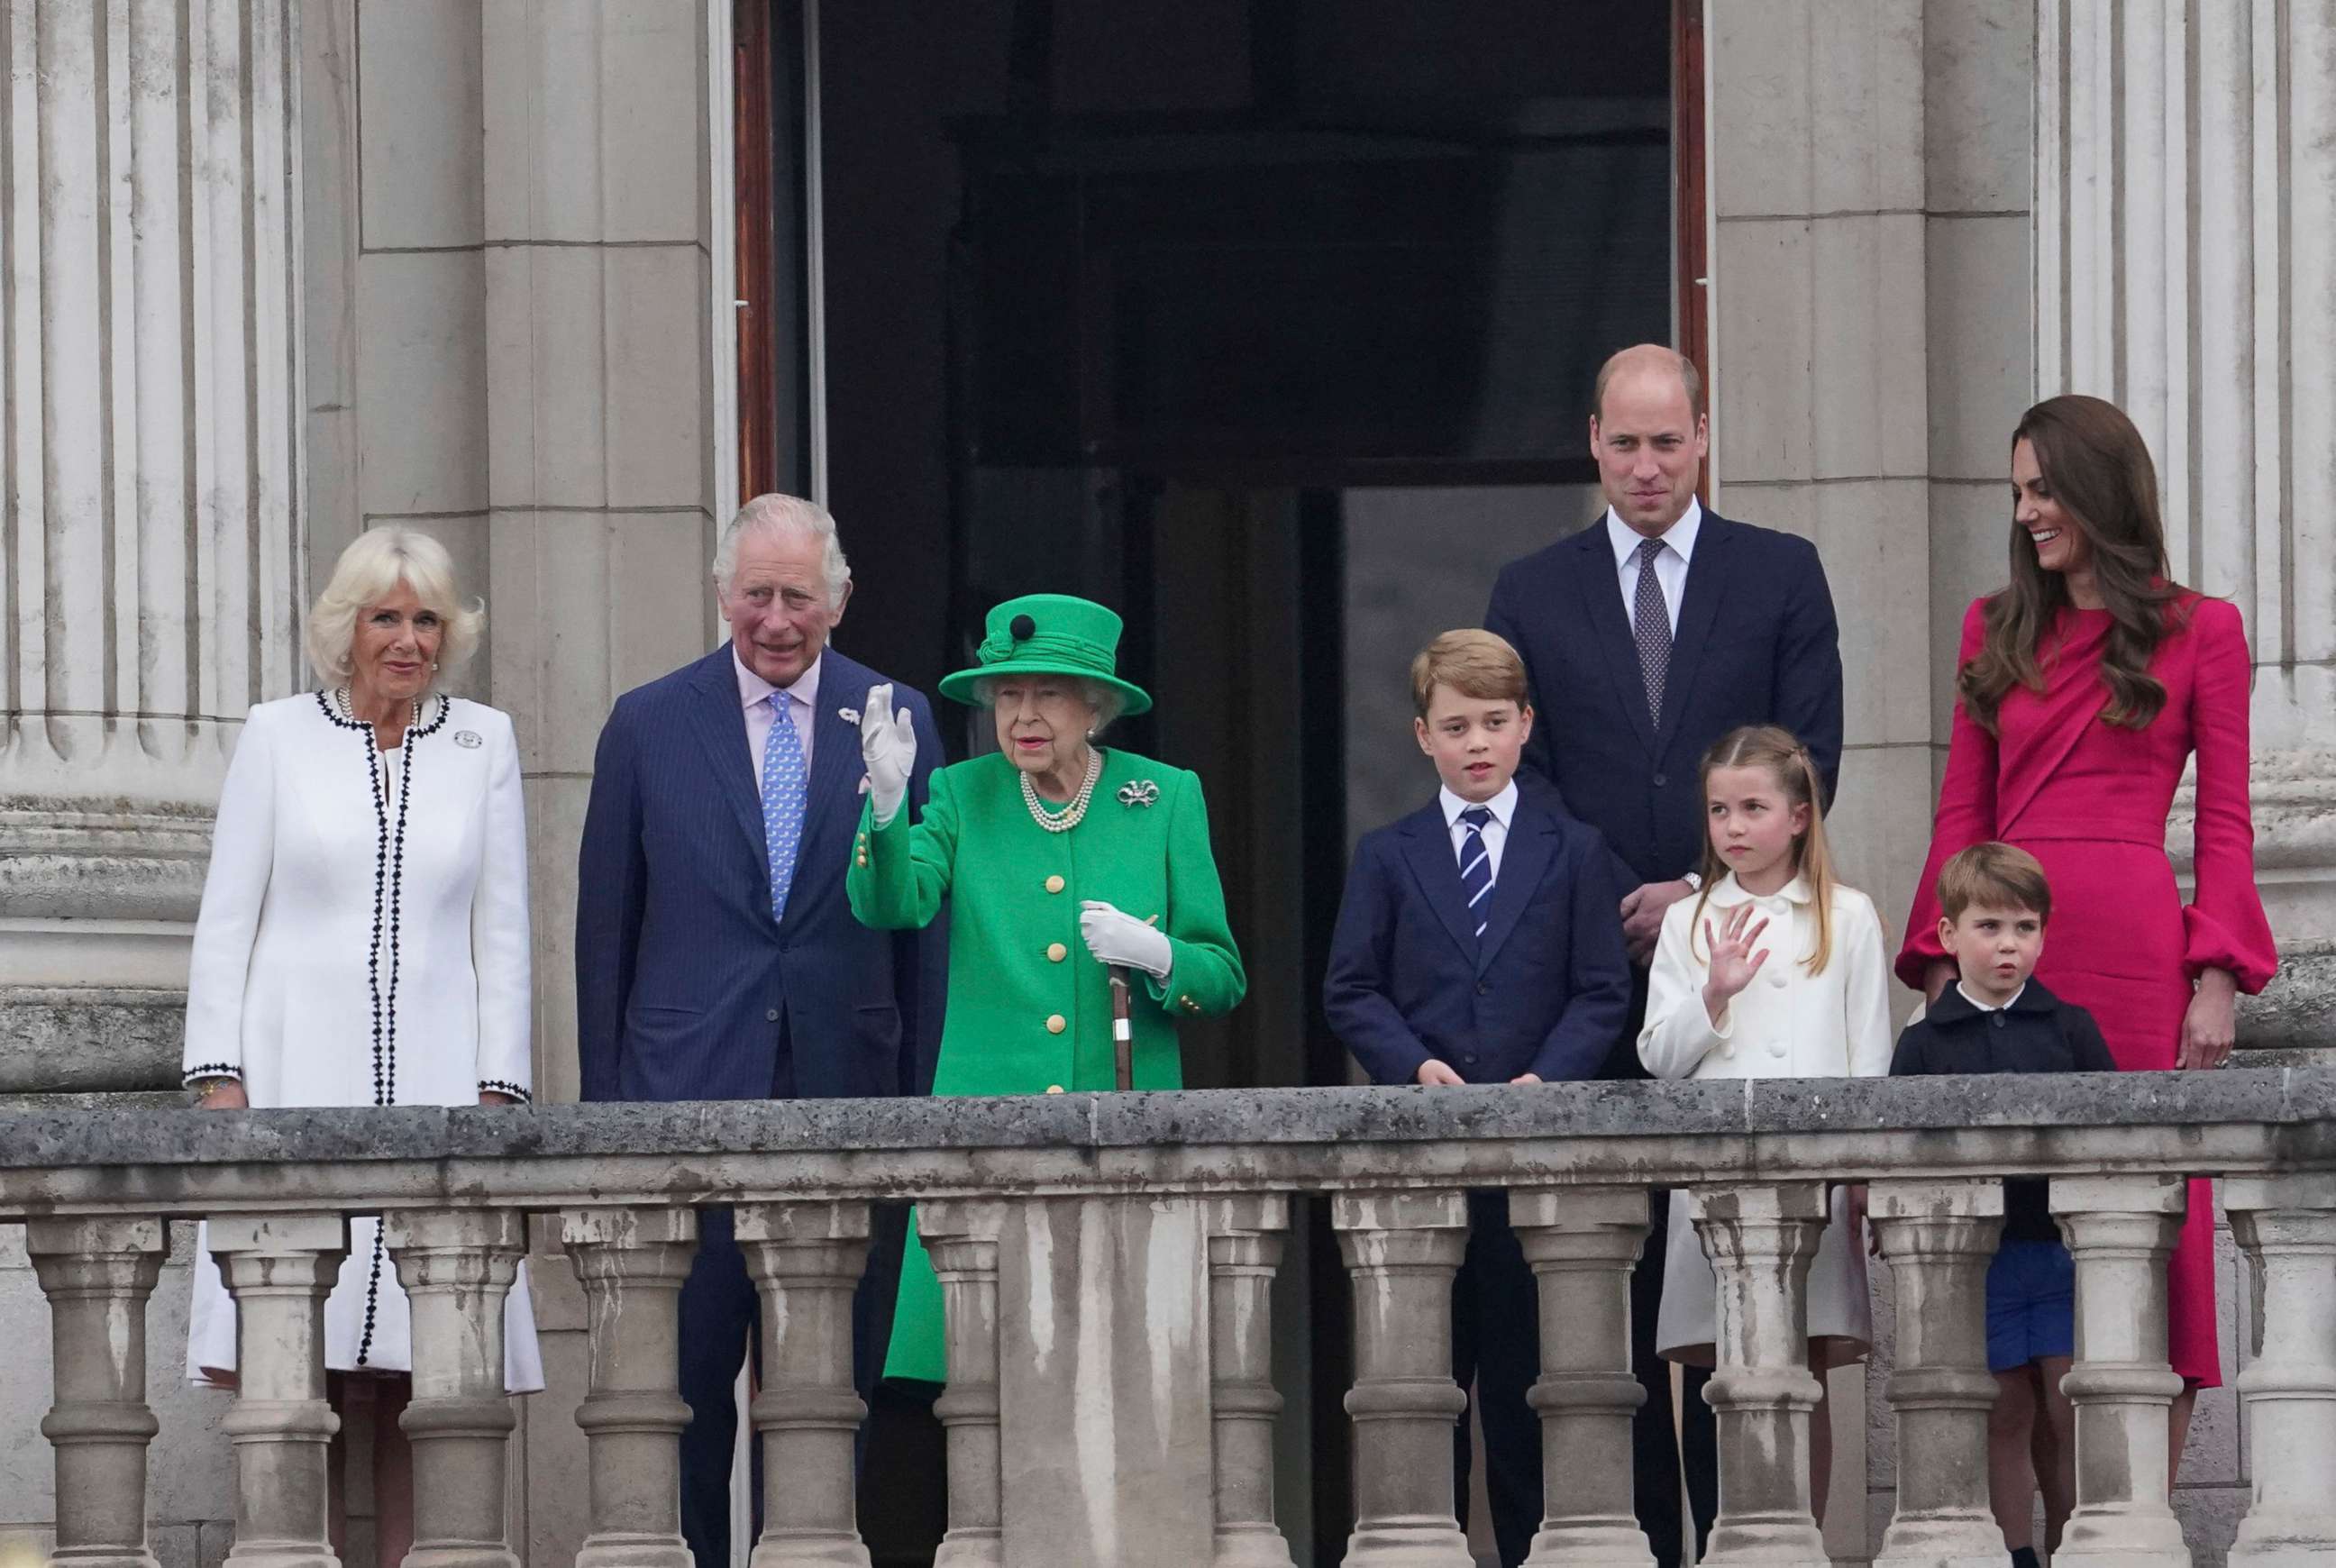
627, 1228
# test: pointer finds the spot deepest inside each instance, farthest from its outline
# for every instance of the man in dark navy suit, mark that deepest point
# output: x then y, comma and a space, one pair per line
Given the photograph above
1646, 637
716, 956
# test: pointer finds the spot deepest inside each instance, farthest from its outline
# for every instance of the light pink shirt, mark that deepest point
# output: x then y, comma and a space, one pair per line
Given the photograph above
801, 701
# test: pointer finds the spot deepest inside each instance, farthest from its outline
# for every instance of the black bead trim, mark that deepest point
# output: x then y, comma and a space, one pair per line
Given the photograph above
388, 886
372, 1297
505, 1086
210, 1070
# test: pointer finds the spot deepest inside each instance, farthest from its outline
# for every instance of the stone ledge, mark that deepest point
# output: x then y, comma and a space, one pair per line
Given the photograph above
81, 1039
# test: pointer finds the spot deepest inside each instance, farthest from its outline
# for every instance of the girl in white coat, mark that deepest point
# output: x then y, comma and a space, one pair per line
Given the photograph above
1776, 971
363, 939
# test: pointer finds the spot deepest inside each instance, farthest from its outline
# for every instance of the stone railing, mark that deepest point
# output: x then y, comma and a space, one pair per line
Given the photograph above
95, 1188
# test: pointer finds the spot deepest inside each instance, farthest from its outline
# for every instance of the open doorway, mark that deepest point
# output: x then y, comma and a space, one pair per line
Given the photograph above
1270, 322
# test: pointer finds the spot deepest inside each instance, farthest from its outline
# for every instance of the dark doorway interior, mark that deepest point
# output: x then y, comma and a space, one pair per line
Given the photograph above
1231, 314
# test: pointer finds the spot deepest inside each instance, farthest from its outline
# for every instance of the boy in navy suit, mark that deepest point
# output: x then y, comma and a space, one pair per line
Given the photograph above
1478, 942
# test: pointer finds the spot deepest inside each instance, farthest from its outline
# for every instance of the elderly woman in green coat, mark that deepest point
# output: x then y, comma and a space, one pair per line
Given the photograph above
1060, 859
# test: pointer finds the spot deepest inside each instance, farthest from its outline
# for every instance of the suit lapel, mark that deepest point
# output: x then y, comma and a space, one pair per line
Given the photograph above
1707, 583
1524, 861
720, 721
1427, 849
835, 747
1602, 600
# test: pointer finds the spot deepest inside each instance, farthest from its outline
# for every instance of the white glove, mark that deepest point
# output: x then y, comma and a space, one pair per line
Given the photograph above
1121, 939
888, 745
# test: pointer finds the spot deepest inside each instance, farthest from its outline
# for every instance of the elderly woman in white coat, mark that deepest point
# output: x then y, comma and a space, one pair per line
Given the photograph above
363, 939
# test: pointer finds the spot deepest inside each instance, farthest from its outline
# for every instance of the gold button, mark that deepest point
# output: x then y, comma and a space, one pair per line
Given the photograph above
1056, 952
1054, 884
1056, 1023
1054, 1088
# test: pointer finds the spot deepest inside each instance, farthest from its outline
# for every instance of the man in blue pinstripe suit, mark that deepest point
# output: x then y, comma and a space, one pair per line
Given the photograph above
716, 956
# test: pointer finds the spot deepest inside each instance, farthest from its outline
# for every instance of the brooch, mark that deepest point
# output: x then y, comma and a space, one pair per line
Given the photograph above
467, 739
1141, 793
848, 715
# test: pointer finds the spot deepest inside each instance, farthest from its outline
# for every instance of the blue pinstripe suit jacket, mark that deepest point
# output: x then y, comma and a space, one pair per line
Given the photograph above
685, 988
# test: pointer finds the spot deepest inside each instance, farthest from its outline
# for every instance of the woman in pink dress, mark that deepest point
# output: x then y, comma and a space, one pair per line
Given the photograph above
2085, 687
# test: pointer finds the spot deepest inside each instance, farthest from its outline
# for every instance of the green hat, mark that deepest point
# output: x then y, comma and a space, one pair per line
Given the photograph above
1047, 634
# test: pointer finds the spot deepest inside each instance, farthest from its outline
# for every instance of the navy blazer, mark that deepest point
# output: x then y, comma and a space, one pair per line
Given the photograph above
1756, 644
1544, 991
685, 985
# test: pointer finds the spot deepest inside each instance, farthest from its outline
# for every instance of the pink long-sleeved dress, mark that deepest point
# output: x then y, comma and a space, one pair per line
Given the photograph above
2089, 800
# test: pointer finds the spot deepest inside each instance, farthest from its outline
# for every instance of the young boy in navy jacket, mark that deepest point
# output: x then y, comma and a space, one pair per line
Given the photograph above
1995, 1018
1478, 942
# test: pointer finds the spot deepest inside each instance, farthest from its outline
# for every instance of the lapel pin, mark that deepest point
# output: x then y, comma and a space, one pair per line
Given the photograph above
848, 715
1141, 793
467, 739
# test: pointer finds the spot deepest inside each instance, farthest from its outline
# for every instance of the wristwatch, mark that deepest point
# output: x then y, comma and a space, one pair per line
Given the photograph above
1694, 881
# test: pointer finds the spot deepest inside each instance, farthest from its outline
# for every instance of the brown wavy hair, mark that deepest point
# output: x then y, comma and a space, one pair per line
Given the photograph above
2095, 464
1778, 750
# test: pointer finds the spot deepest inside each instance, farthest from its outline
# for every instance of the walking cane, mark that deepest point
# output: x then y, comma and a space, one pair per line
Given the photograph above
1123, 1031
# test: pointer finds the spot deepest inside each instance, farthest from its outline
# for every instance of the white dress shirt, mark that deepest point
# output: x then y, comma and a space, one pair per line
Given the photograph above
2004, 1005
1671, 566
1495, 833
802, 707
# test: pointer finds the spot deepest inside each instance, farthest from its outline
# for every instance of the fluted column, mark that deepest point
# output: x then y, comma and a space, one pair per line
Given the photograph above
1245, 1238
279, 1268
631, 1264
98, 1275
2185, 191
960, 1237
1402, 1250
1939, 1238
1760, 1240
2121, 1230
1582, 1242
2286, 1226
148, 580
807, 1259
457, 1266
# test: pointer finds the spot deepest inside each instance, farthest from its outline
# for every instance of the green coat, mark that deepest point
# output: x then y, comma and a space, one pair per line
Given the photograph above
1029, 1009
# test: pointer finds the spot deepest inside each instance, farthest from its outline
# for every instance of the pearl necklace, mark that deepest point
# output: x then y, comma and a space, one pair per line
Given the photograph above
1070, 818
378, 768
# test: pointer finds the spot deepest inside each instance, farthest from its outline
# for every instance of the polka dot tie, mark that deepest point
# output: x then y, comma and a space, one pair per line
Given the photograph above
1651, 619
784, 776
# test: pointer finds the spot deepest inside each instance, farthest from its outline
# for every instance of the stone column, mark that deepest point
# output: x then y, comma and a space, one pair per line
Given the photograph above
2121, 1230
807, 1259
1939, 1238
2185, 186
279, 1268
98, 1275
1761, 1239
960, 1237
2286, 1225
631, 1264
1245, 1237
1402, 1250
1582, 1242
457, 1266
152, 470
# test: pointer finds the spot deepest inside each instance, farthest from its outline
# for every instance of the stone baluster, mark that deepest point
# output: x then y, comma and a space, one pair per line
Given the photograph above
1939, 1238
1582, 1242
98, 1274
807, 1259
2121, 1230
457, 1266
279, 1268
2286, 1226
1402, 1250
1245, 1238
960, 1237
631, 1264
1760, 1240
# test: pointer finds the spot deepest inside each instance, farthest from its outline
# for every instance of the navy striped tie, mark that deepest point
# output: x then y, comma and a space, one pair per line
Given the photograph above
1476, 865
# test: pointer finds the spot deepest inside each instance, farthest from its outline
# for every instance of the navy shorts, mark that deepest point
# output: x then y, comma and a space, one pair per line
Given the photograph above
2031, 1304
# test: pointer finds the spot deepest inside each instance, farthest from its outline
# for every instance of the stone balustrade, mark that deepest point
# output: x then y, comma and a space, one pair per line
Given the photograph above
1394, 1166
